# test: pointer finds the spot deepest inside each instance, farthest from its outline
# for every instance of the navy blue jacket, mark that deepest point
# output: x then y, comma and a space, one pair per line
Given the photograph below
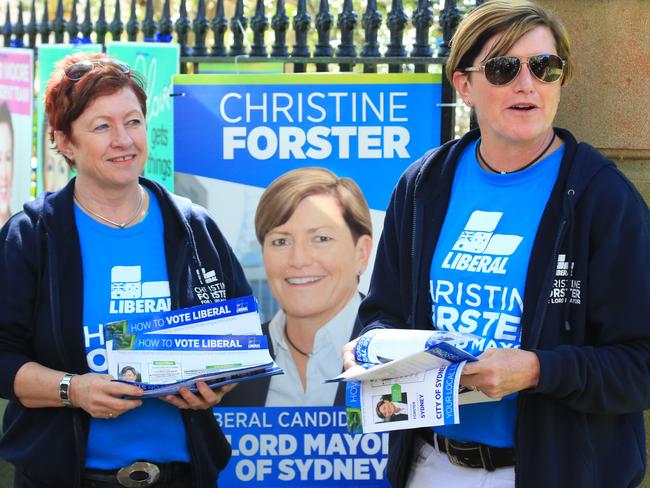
41, 297
582, 426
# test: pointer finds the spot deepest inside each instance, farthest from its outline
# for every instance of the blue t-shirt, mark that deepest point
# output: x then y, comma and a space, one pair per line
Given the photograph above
124, 275
478, 272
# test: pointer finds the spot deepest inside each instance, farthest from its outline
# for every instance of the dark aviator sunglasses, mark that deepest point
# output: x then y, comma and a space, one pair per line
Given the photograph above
77, 70
501, 70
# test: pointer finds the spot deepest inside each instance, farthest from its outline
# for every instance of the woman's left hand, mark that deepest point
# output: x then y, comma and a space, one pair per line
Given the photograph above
204, 398
499, 372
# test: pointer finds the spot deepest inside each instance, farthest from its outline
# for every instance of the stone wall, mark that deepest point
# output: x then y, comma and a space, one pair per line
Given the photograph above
608, 102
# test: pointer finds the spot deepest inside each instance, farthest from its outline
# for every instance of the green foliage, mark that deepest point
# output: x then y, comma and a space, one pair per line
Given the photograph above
354, 420
123, 341
115, 328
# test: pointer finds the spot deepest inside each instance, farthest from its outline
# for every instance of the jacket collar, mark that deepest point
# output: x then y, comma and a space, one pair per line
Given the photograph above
441, 163
55, 213
581, 162
55, 209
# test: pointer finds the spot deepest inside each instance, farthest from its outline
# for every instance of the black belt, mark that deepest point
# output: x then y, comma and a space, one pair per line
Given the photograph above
139, 474
470, 454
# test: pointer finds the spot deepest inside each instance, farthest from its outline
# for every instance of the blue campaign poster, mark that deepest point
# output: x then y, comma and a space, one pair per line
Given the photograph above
250, 129
233, 135
308, 446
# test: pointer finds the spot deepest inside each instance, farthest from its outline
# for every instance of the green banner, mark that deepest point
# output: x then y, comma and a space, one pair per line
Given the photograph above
157, 63
240, 68
52, 171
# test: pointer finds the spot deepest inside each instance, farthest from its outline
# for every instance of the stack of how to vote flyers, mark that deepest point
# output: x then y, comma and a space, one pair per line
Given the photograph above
218, 343
407, 379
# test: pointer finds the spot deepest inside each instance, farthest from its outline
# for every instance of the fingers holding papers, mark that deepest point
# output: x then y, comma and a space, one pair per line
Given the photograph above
499, 372
204, 398
101, 397
348, 354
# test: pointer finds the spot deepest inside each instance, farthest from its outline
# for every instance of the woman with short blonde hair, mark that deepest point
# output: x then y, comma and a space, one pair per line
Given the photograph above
281, 198
533, 242
316, 238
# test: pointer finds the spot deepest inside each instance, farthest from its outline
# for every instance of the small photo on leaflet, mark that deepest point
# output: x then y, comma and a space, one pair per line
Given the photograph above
389, 408
130, 372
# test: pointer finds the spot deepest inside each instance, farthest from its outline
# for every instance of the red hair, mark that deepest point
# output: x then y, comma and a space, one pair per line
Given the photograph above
66, 99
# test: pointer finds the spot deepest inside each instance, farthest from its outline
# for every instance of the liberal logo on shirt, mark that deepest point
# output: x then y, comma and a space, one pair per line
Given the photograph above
479, 249
129, 294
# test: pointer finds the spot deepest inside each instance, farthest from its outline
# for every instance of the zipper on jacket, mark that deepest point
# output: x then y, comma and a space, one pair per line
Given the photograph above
177, 273
537, 330
569, 258
188, 416
546, 291
189, 246
414, 268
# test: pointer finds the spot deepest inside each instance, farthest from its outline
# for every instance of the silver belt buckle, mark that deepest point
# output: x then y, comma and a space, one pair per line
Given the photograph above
453, 459
138, 475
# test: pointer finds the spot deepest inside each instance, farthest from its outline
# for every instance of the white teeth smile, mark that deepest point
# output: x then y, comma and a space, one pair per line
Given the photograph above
524, 107
122, 159
303, 281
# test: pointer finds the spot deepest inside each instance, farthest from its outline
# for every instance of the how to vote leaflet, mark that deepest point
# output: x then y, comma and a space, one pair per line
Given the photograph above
218, 343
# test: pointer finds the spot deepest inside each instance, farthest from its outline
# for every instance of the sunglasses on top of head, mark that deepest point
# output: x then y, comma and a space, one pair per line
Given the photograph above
77, 70
547, 68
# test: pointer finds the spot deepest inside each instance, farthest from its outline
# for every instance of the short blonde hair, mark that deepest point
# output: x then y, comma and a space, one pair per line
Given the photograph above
511, 18
280, 200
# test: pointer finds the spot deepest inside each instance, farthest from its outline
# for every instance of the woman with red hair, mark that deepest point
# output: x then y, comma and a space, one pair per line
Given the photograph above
108, 246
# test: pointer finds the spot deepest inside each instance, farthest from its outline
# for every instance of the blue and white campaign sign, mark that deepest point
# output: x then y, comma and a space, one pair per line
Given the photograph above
235, 134
308, 446
250, 129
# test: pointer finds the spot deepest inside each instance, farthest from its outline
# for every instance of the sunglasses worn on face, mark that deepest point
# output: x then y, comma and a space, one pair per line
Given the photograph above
77, 70
547, 68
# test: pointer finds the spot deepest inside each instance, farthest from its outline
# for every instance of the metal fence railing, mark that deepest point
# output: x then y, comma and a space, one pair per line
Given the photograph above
204, 39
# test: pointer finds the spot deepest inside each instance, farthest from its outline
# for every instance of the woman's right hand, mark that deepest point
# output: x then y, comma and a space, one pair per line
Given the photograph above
348, 354
101, 397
